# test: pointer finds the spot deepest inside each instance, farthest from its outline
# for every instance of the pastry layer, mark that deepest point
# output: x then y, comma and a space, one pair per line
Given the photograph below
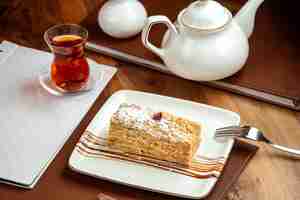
156, 134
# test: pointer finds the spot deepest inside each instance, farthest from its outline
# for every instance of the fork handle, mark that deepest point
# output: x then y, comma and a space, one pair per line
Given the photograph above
293, 152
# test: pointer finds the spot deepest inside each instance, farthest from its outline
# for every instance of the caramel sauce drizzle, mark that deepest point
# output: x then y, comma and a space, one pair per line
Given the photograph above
91, 145
199, 158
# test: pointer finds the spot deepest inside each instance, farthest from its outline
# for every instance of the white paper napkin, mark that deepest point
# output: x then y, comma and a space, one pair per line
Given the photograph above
34, 124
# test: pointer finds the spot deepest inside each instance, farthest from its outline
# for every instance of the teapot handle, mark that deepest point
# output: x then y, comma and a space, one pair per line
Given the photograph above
147, 28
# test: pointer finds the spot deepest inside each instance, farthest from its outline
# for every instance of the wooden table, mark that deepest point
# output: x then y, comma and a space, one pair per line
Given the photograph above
268, 176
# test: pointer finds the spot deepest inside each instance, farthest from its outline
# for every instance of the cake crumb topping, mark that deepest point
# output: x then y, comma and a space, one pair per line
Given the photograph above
155, 123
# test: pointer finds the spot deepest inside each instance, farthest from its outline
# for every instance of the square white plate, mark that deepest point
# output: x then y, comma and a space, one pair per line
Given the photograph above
150, 178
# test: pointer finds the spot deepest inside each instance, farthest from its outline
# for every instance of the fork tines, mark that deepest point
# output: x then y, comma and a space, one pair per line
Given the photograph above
230, 131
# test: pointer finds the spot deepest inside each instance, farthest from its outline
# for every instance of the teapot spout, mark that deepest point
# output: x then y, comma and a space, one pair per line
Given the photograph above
246, 16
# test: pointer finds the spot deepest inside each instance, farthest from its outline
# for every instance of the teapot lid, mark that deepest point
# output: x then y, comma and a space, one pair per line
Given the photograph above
205, 15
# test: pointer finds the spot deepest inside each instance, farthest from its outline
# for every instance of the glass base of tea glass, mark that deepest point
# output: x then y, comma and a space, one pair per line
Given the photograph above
49, 86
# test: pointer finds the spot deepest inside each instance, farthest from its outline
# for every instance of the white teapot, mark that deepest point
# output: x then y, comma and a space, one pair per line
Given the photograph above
207, 42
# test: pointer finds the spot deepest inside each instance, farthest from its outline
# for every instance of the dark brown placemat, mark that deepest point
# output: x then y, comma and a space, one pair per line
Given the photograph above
59, 182
271, 72
241, 154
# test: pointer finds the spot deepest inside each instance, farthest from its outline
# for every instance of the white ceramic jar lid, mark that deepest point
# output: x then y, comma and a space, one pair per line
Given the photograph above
205, 15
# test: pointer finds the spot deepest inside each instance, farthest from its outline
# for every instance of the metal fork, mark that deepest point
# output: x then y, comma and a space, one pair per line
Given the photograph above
252, 133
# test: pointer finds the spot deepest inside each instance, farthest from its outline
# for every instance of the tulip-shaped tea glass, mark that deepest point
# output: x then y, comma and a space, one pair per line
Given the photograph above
69, 70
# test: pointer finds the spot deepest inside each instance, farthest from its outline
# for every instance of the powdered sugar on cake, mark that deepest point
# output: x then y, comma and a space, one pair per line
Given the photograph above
134, 116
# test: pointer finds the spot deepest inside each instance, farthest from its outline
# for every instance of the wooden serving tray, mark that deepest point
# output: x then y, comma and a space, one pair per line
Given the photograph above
271, 72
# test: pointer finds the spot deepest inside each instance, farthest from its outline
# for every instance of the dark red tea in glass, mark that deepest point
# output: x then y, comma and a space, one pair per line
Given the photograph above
69, 69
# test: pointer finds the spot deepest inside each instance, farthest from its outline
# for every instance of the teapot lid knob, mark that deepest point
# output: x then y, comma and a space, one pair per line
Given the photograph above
205, 15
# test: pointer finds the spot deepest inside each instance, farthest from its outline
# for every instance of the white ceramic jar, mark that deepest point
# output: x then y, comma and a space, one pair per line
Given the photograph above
122, 18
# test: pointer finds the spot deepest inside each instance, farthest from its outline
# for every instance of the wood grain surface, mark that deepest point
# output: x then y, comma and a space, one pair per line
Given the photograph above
269, 176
